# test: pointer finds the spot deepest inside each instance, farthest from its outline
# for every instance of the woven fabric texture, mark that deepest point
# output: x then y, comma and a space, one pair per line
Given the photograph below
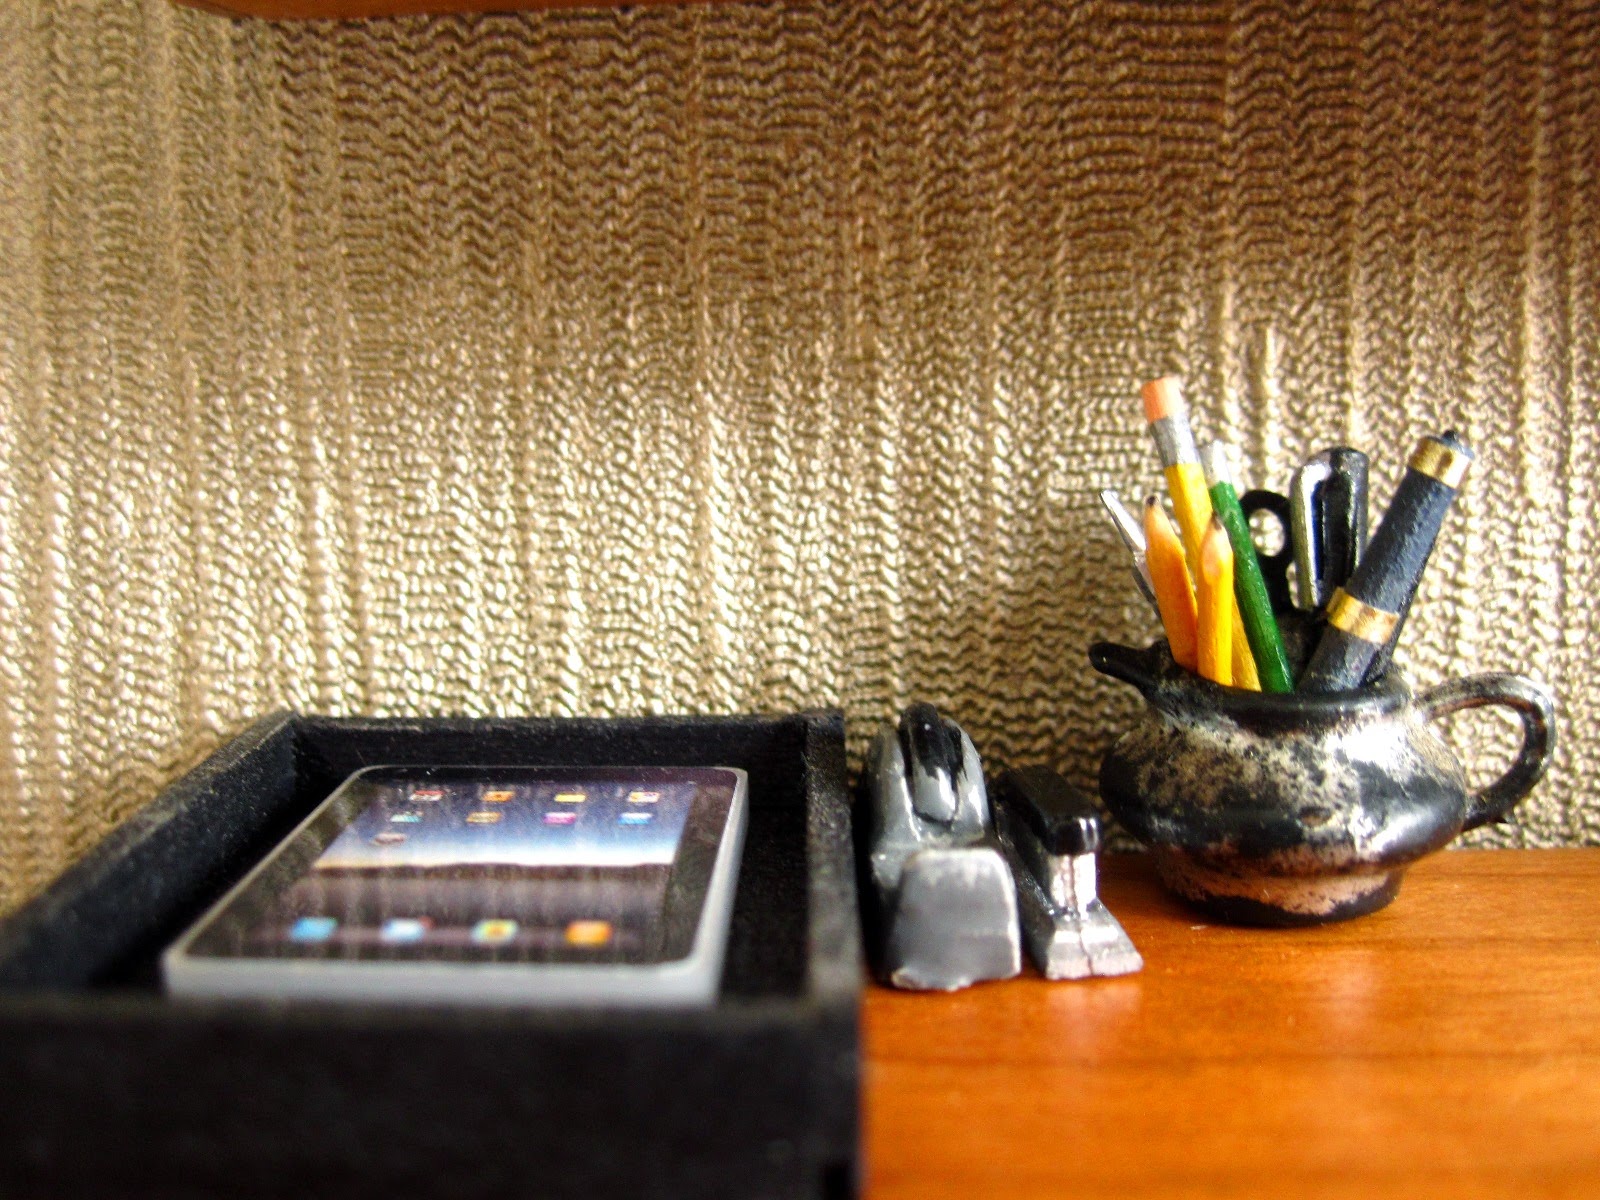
752, 357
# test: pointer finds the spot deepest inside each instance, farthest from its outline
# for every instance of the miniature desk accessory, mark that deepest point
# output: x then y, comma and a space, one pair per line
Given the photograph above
1168, 415
957, 888
1299, 807
1328, 498
1366, 614
113, 1089
1131, 531
1051, 834
1255, 603
1306, 808
946, 902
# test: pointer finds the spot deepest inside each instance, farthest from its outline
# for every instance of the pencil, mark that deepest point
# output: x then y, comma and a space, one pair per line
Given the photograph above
1169, 575
1250, 589
1214, 621
1245, 674
1168, 414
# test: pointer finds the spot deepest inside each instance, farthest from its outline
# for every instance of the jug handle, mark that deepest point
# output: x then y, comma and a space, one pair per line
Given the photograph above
1537, 708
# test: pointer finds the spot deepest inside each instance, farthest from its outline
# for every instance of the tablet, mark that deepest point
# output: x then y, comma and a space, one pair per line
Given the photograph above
520, 885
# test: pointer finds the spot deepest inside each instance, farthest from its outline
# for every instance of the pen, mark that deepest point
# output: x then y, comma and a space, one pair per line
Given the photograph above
1343, 505
1365, 614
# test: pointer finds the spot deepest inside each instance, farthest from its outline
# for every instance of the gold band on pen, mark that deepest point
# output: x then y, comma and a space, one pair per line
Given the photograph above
1361, 620
1438, 461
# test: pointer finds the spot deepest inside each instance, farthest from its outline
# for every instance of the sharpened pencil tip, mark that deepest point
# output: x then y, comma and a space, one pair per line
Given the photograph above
1216, 551
1163, 398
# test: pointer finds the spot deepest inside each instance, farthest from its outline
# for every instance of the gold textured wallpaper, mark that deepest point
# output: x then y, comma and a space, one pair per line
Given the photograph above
751, 357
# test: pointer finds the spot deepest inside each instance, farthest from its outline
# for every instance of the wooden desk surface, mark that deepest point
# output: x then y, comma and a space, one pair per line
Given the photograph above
1449, 1046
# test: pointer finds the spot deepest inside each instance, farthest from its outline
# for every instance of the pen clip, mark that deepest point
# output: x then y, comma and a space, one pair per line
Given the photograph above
1342, 506
1305, 528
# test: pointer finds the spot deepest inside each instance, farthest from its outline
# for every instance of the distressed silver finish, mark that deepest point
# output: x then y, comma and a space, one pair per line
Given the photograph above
1069, 932
944, 895
1304, 808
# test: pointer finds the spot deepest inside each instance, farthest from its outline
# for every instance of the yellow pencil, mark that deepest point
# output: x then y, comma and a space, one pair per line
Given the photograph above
1245, 674
1169, 577
1168, 414
1215, 603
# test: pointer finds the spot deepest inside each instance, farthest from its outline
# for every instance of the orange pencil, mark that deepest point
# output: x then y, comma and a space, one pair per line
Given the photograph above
1169, 576
1214, 625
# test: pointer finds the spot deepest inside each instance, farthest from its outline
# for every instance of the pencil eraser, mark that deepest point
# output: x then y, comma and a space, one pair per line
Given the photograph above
1163, 398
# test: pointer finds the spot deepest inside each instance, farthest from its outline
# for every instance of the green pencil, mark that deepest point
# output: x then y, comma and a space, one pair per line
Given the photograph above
1260, 626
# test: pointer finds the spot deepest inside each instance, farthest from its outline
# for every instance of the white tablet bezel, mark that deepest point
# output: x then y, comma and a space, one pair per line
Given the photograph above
691, 980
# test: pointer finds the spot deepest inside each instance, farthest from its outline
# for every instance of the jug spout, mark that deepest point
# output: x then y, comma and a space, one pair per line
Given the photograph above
1141, 668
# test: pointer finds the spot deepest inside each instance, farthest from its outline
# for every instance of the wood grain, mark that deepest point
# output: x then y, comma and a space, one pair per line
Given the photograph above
346, 10
1449, 1045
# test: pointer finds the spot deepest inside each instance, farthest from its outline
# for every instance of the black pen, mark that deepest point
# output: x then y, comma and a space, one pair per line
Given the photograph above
1342, 503
1365, 614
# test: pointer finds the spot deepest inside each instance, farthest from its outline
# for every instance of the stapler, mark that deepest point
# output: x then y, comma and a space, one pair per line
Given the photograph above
1050, 832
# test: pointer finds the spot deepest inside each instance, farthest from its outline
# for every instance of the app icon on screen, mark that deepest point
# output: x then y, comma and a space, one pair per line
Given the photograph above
404, 929
313, 929
493, 933
405, 818
561, 818
644, 797
483, 818
388, 839
588, 933
499, 796
635, 818
427, 793
571, 797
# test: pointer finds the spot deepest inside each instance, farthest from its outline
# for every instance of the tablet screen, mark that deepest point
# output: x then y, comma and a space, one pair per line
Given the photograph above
485, 864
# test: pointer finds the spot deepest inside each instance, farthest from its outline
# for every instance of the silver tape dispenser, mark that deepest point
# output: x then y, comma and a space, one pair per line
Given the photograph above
945, 882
